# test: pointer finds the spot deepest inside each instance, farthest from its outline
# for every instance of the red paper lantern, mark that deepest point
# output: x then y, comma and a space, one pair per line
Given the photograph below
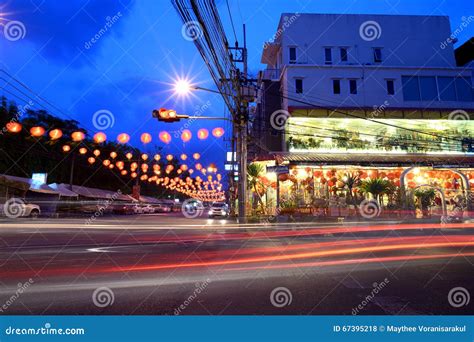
37, 131
14, 127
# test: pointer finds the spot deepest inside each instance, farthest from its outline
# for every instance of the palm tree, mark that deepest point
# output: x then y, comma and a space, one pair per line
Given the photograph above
254, 173
377, 187
350, 181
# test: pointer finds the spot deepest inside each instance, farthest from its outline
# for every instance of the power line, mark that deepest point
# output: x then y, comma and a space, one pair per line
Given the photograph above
231, 19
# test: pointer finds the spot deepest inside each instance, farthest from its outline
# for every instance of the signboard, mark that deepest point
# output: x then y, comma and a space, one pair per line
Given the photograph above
280, 169
39, 179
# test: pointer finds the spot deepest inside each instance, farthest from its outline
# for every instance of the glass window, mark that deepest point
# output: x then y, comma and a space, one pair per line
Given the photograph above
336, 86
464, 88
429, 90
411, 88
447, 89
328, 55
292, 55
390, 87
378, 55
353, 86
299, 86
344, 55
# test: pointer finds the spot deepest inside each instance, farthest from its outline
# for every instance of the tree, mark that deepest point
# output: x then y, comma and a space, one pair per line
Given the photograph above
350, 181
377, 187
254, 173
425, 198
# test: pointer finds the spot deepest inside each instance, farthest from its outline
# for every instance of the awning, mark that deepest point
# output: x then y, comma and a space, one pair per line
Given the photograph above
63, 190
26, 184
439, 160
148, 199
96, 193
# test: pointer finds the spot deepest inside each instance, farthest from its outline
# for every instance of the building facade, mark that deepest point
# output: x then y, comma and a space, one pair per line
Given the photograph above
371, 96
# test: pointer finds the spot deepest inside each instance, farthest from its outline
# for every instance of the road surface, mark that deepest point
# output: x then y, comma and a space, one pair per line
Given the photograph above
170, 265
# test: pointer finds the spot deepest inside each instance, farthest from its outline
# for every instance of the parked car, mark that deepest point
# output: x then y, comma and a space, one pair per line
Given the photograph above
138, 209
162, 208
20, 209
219, 209
148, 209
123, 209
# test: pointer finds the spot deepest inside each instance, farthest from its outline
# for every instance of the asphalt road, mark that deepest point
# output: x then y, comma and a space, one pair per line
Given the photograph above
164, 264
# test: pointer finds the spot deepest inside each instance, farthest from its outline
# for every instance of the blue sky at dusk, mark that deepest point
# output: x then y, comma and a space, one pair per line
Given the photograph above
131, 68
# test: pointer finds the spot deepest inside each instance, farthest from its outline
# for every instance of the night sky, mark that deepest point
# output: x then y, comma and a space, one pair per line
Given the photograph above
131, 68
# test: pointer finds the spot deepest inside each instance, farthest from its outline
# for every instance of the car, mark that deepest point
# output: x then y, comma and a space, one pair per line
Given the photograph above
161, 208
123, 209
148, 209
219, 209
138, 209
18, 208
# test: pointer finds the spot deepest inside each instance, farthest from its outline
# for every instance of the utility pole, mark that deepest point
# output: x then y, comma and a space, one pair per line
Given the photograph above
239, 55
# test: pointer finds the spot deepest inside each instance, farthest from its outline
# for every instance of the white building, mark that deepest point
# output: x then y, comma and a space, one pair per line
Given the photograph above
385, 67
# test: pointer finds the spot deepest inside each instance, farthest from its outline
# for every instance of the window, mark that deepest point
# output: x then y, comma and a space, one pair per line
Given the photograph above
336, 86
328, 55
411, 88
390, 87
428, 88
353, 87
299, 86
464, 89
377, 55
447, 89
292, 55
344, 55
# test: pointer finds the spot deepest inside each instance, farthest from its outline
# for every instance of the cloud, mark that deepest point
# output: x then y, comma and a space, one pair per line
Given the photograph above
61, 28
